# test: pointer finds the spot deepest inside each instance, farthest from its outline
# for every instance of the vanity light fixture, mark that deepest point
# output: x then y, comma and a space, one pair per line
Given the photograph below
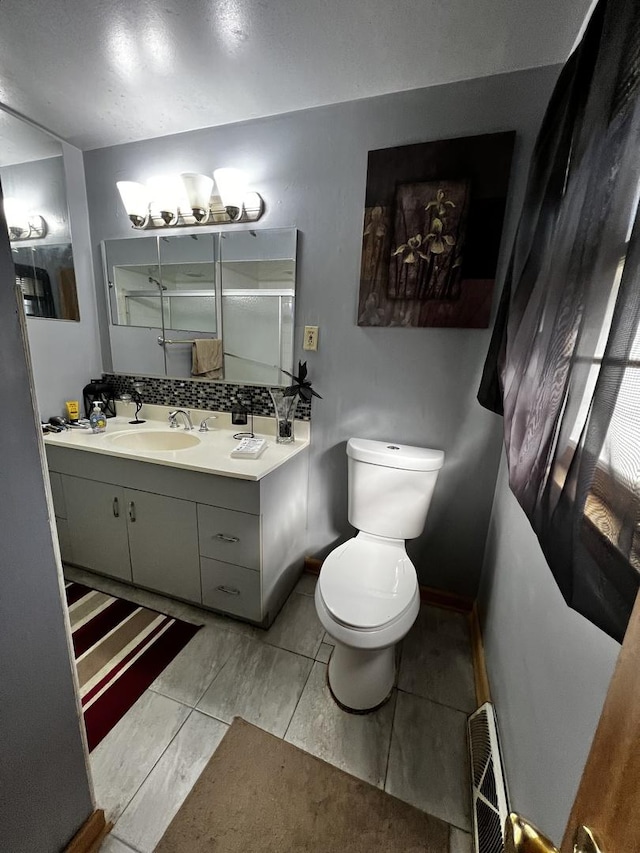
136, 200
23, 225
190, 199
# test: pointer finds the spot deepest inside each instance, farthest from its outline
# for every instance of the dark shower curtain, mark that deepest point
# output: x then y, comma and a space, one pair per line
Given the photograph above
564, 361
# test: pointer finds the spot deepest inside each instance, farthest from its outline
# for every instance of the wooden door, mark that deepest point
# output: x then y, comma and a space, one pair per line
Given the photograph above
97, 526
608, 798
163, 542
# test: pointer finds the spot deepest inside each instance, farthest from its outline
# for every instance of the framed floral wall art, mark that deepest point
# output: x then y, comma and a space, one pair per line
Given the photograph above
432, 230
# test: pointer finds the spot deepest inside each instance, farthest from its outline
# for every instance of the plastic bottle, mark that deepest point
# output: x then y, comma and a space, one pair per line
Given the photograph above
97, 418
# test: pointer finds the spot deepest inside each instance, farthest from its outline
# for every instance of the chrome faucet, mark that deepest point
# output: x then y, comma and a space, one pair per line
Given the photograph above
203, 423
173, 419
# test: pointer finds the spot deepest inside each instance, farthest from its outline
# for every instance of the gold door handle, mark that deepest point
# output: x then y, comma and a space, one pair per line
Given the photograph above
523, 837
584, 841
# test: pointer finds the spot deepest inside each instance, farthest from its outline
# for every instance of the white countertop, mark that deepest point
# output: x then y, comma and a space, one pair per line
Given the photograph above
209, 456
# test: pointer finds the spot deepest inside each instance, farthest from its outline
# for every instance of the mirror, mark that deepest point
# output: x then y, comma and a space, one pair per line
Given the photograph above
47, 279
234, 287
35, 203
134, 288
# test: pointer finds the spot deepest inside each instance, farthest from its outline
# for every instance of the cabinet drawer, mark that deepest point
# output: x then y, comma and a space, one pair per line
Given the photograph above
231, 536
232, 589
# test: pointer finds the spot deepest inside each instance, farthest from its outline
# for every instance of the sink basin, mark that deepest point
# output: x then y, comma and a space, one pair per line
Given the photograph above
150, 440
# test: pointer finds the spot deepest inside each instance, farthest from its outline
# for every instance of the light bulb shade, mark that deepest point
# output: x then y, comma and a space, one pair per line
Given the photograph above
168, 197
253, 205
135, 198
198, 189
16, 215
232, 186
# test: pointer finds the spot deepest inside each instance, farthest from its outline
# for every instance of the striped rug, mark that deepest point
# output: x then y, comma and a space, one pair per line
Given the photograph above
120, 648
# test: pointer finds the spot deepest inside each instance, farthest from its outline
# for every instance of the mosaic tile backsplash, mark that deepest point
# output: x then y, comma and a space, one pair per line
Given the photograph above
196, 394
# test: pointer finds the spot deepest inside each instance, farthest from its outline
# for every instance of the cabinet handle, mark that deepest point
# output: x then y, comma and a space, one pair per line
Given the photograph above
223, 538
230, 590
116, 508
132, 511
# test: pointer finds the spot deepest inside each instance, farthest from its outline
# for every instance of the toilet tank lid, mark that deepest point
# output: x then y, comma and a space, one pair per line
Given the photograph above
390, 454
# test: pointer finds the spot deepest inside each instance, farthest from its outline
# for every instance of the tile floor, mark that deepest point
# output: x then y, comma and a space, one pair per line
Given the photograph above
414, 747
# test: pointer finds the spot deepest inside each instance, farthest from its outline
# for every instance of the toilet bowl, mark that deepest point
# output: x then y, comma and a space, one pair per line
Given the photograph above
367, 599
367, 595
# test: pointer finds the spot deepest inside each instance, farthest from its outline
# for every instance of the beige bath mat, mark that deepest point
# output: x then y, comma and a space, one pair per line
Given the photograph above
259, 794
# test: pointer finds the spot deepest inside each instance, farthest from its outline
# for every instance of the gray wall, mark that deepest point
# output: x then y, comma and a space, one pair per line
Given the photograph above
66, 354
549, 669
411, 385
45, 795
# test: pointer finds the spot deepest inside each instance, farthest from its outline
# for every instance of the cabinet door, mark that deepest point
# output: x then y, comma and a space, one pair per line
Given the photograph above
63, 540
163, 541
57, 494
97, 526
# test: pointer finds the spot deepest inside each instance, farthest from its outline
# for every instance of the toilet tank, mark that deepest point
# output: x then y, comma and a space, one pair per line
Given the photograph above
390, 486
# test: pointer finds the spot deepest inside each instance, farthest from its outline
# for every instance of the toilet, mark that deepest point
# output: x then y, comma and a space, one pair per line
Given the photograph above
367, 595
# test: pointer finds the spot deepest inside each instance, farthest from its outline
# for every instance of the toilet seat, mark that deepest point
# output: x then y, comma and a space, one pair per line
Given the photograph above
368, 582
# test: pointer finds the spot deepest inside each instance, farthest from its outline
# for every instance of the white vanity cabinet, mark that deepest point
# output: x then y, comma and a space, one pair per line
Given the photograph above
225, 543
133, 535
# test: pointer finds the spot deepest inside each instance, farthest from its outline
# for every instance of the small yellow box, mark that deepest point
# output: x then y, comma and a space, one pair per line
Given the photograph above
73, 410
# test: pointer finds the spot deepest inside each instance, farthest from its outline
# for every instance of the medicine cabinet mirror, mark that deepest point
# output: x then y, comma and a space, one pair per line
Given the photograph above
35, 205
238, 287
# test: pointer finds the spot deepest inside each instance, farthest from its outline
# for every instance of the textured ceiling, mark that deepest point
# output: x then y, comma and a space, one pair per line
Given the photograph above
114, 71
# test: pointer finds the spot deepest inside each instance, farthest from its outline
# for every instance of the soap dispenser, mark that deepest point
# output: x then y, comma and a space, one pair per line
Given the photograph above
97, 418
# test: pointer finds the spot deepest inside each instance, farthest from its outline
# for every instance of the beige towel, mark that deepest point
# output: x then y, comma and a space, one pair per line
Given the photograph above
206, 358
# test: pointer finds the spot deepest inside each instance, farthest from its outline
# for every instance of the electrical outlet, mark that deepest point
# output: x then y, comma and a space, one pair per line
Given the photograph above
310, 338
